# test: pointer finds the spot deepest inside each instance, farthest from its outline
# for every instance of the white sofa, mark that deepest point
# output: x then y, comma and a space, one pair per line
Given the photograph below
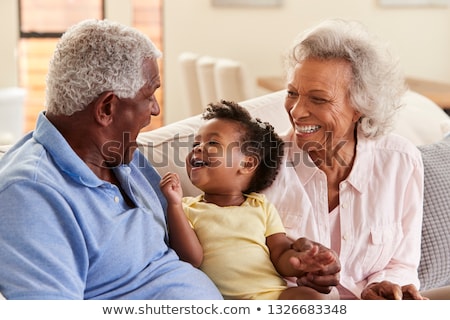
421, 121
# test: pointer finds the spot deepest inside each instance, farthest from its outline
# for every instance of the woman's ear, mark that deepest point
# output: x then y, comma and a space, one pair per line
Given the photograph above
356, 116
104, 107
249, 164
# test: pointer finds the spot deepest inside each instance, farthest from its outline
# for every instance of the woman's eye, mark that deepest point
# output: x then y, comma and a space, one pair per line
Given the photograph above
292, 94
318, 100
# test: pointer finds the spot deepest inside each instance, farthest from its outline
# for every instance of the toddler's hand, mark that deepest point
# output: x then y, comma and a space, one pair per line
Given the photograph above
171, 188
312, 260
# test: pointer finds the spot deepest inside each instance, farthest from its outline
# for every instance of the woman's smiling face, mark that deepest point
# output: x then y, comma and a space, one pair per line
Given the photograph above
318, 103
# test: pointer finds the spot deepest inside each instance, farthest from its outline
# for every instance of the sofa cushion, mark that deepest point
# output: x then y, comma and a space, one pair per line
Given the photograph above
434, 269
168, 146
420, 120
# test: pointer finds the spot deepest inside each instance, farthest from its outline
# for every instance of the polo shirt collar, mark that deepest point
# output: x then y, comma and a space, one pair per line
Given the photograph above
63, 155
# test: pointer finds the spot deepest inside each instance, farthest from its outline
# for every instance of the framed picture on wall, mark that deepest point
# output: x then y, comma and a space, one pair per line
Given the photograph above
246, 3
412, 3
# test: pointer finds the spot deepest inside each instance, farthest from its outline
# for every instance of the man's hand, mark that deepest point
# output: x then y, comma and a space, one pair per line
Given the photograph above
324, 279
387, 290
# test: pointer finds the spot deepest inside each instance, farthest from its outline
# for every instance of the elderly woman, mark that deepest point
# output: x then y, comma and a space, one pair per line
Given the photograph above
347, 182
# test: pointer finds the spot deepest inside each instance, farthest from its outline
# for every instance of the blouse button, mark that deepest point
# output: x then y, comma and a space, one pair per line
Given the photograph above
116, 199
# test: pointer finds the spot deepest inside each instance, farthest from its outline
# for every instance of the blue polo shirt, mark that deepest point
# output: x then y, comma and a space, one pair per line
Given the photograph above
66, 234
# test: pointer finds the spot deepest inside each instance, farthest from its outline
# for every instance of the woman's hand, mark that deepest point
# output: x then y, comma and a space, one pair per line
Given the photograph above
386, 290
326, 278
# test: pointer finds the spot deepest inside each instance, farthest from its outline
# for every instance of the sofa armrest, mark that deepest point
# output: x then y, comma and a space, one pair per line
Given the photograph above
420, 120
434, 268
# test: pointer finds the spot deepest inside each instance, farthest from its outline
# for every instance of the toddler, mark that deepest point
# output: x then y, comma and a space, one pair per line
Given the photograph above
231, 231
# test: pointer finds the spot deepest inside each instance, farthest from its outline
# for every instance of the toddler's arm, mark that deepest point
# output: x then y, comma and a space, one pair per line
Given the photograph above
292, 263
182, 237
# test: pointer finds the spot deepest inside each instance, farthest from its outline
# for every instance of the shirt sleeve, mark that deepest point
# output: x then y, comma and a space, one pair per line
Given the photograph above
42, 258
274, 223
402, 268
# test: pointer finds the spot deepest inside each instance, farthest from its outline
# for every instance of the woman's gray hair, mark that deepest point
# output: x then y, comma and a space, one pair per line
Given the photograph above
92, 57
377, 84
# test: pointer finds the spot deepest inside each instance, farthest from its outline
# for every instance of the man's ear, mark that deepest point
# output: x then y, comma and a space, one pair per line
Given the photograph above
103, 108
249, 164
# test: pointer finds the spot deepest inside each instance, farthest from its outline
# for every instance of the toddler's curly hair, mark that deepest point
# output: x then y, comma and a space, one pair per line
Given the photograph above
258, 139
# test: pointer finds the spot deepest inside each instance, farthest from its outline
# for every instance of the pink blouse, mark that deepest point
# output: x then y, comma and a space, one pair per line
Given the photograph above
380, 209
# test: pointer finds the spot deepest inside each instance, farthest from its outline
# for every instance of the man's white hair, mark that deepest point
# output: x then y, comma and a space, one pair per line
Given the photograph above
92, 57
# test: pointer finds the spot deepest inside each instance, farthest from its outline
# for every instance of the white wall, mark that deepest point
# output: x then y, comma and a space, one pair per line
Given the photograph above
259, 36
118, 10
9, 34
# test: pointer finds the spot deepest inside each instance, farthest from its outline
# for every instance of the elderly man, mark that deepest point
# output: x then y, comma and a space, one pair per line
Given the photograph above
81, 214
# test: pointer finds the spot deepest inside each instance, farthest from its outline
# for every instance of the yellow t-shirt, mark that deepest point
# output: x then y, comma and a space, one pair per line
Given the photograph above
236, 257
